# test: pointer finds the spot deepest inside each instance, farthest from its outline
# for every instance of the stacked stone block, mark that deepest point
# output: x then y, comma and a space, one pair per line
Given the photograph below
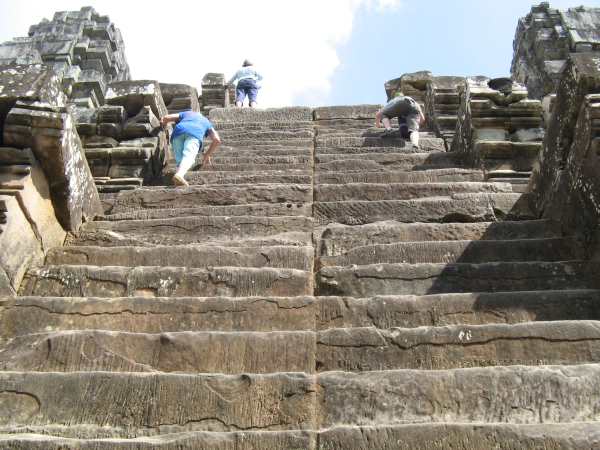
499, 129
442, 104
544, 40
82, 47
215, 94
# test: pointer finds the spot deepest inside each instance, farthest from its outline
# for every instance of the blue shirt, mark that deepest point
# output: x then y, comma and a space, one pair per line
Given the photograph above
246, 72
192, 123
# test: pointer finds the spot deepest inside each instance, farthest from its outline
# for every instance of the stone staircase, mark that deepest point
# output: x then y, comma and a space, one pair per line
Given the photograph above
319, 287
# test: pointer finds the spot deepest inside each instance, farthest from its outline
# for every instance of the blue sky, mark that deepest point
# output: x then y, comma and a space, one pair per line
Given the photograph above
458, 37
311, 52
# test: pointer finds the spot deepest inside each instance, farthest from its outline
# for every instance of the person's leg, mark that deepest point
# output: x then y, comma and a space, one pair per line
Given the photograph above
190, 151
177, 146
412, 123
240, 95
252, 93
387, 123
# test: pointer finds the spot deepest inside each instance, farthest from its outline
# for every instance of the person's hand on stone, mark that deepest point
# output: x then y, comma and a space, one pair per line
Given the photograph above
206, 161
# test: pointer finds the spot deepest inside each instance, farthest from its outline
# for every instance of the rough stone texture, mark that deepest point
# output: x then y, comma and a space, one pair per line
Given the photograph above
85, 50
544, 40
151, 401
179, 97
50, 132
249, 115
134, 95
429, 278
33, 83
565, 185
118, 281
512, 394
494, 116
442, 103
411, 84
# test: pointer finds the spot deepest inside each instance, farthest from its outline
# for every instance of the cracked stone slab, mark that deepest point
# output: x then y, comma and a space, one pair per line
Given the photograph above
116, 281
336, 239
346, 349
386, 162
422, 176
458, 346
458, 208
557, 249
197, 229
573, 436
30, 315
242, 440
252, 209
286, 257
143, 404
421, 279
402, 191
211, 195
518, 394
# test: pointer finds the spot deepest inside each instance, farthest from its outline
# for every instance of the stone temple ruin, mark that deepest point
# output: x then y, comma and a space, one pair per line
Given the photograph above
319, 287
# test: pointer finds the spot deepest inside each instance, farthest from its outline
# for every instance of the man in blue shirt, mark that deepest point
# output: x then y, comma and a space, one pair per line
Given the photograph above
247, 84
186, 139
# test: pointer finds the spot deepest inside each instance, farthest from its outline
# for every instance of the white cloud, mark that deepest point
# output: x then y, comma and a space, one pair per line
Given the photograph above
294, 44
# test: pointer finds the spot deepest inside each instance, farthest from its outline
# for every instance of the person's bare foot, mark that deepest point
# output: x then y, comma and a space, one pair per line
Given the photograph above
178, 180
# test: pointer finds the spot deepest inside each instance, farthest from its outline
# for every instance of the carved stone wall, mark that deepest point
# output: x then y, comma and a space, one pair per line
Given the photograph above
565, 183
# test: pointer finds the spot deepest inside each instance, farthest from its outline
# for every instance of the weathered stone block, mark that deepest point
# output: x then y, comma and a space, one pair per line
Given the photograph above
61, 156
134, 95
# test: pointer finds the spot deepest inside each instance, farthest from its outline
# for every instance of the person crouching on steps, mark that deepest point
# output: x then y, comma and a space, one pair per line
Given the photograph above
409, 114
247, 84
190, 130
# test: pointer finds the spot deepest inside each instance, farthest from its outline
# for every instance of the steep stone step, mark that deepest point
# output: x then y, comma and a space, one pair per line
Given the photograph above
251, 209
284, 176
458, 346
259, 159
267, 150
241, 136
28, 315
458, 208
337, 239
524, 395
216, 195
242, 167
427, 144
117, 281
572, 436
198, 256
197, 229
401, 191
366, 162
409, 311
347, 349
143, 404
241, 440
421, 279
557, 249
421, 176
186, 352
244, 141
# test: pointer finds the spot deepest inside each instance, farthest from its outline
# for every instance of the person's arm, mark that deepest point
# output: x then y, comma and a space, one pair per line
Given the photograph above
378, 119
169, 118
215, 142
233, 78
421, 115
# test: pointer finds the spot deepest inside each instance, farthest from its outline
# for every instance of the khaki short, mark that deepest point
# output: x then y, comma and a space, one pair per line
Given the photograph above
406, 110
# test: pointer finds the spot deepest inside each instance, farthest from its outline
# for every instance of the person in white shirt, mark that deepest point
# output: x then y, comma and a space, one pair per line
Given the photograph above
247, 79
